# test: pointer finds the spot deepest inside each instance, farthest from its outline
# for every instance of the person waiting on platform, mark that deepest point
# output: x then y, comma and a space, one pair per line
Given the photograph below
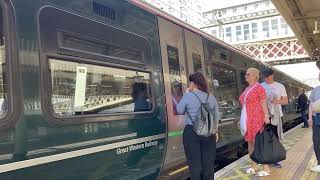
200, 151
314, 122
280, 98
253, 99
302, 107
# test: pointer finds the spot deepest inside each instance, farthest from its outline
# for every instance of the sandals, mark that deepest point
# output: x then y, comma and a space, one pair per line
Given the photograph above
250, 171
263, 174
259, 174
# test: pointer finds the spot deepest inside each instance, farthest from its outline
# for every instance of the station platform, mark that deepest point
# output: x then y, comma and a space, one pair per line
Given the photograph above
300, 157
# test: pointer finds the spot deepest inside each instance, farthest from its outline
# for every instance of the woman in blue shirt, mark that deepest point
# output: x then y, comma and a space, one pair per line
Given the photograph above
200, 151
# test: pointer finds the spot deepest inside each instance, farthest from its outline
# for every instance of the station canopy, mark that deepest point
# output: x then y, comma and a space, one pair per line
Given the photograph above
303, 16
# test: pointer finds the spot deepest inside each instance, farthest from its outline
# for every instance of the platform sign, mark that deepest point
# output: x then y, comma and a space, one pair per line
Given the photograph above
80, 92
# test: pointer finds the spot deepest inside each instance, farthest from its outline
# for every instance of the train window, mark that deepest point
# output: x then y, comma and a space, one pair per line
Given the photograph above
175, 76
95, 47
243, 82
3, 88
225, 90
80, 89
196, 62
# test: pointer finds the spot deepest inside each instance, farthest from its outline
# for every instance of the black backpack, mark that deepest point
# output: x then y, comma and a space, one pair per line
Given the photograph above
204, 123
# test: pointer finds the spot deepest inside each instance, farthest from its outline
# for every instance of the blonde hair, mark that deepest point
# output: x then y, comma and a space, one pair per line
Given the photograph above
255, 72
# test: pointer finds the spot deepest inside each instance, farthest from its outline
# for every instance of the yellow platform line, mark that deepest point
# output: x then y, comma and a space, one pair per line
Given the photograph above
240, 174
179, 170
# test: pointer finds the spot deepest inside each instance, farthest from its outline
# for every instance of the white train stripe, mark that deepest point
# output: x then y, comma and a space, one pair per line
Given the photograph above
73, 154
73, 145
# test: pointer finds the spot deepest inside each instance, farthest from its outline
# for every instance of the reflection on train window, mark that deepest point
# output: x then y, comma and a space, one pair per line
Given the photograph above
225, 90
175, 76
3, 88
78, 89
106, 49
243, 81
196, 62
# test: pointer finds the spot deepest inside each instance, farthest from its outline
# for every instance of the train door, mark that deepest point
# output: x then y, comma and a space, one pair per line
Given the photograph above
175, 80
194, 52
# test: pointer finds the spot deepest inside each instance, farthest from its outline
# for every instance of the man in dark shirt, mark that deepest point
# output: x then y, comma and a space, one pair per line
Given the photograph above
302, 107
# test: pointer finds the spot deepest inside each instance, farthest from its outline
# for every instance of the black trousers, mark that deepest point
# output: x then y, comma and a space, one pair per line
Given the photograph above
200, 153
316, 140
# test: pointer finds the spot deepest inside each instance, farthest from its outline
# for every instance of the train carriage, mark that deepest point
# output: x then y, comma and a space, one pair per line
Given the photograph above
88, 89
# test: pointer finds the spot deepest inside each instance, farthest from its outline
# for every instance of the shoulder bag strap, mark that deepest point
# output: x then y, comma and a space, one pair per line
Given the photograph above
196, 96
245, 97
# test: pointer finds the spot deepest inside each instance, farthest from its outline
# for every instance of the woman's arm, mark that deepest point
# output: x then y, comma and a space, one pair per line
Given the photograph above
181, 107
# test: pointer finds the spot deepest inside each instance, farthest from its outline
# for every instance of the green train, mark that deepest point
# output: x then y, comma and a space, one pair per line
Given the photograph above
88, 89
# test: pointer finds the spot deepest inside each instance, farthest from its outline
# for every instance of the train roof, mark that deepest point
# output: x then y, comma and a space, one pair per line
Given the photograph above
164, 15
158, 12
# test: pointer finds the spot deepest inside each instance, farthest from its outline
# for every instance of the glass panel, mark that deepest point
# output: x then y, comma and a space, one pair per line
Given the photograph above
78, 89
196, 62
175, 76
239, 33
228, 34
265, 28
214, 33
254, 30
284, 27
274, 27
243, 81
3, 86
90, 46
246, 32
225, 90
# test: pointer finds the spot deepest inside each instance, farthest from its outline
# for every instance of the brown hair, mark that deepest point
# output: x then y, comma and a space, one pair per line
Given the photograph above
198, 79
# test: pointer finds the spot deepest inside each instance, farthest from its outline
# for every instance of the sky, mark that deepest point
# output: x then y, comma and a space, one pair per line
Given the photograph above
303, 71
218, 4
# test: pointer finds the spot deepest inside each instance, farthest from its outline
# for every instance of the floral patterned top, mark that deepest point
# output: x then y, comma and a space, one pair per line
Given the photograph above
255, 114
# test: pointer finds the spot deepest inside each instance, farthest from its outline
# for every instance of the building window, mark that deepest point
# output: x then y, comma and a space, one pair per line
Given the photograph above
80, 89
214, 33
228, 34
245, 8
234, 10
254, 28
274, 27
256, 5
246, 32
221, 33
265, 28
267, 3
284, 27
239, 33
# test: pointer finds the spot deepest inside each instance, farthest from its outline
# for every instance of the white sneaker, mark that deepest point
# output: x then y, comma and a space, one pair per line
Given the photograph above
315, 168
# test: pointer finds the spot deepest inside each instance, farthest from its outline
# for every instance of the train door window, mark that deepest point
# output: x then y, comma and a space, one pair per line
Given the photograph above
3, 68
225, 90
175, 76
79, 89
196, 58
